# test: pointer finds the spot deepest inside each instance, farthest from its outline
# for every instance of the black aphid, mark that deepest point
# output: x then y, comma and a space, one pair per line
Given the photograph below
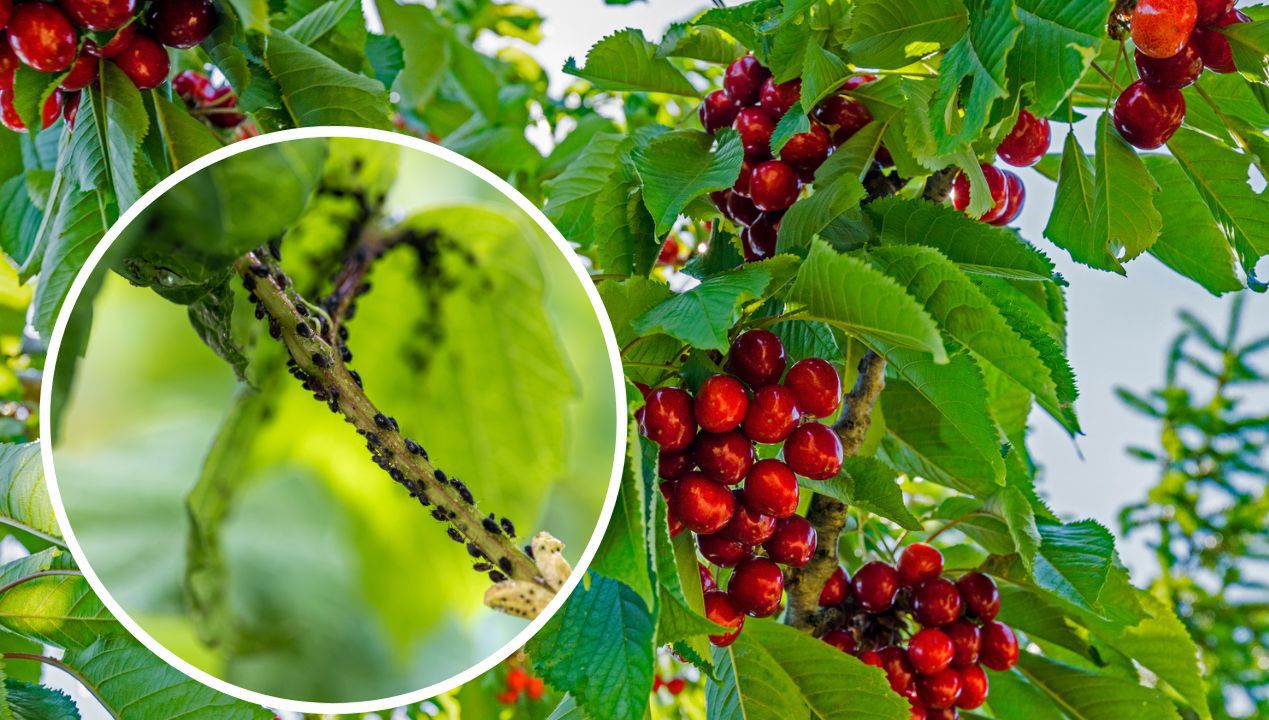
260, 271
259, 312
372, 438
301, 309
497, 576
334, 404
275, 330
438, 514
454, 535
482, 567
382, 421
396, 474
463, 492
508, 527
303, 330
321, 360
356, 376
528, 549
250, 284
505, 565
474, 551
275, 249
343, 332
325, 326
491, 526
281, 279
413, 447
441, 477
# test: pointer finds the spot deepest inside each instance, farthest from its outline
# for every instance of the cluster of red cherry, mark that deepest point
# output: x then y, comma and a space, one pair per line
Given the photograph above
953, 630
217, 103
674, 685
753, 103
520, 682
1175, 40
71, 38
755, 528
1024, 146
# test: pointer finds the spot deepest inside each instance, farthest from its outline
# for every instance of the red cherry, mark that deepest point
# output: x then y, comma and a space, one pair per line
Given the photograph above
8, 63
667, 418
1176, 72
757, 357
773, 414
1000, 647
919, 563
1027, 142
816, 386
643, 388
777, 99
1213, 47
1161, 27
759, 239
99, 15
814, 451
674, 464
793, 543
82, 74
144, 61
748, 526
722, 550
742, 180
1147, 117
870, 657
936, 603
982, 598
898, 667
517, 679
702, 505
756, 586
182, 23
9, 114
997, 186
755, 126
930, 651
1017, 193
721, 403
1211, 11
741, 210
677, 685
42, 37
723, 457
718, 111
669, 254
875, 586
671, 516
720, 198
966, 641
744, 78
720, 611
973, 688
855, 82
6, 10
707, 578
114, 46
835, 588
939, 690
846, 115
772, 489
774, 186
807, 151
70, 107
841, 640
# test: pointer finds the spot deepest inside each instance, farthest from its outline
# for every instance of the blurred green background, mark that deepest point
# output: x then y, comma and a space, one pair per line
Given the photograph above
341, 588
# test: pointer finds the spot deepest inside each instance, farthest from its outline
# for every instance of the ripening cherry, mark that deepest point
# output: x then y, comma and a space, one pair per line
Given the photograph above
718, 111
777, 98
1147, 117
758, 240
755, 127
1213, 46
816, 386
182, 23
720, 403
845, 115
757, 357
842, 640
743, 79
9, 114
793, 542
936, 603
981, 596
702, 505
667, 418
99, 15
836, 588
755, 586
8, 64
144, 61
939, 690
807, 151
772, 489
966, 642
1176, 72
973, 688
82, 74
674, 464
1161, 27
919, 563
997, 187
772, 415
724, 457
1211, 11
774, 186
115, 45
748, 526
875, 586
899, 670
1027, 142
42, 37
999, 650
930, 651
814, 451
720, 611
1017, 199
722, 550
741, 210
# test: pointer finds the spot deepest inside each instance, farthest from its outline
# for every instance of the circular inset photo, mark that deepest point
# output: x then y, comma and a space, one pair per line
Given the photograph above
335, 421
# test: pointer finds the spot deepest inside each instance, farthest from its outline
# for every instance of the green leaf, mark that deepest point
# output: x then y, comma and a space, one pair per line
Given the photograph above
627, 236
1012, 696
318, 91
623, 555
185, 138
887, 34
321, 20
125, 124
1250, 45
698, 42
791, 124
572, 194
747, 22
822, 73
1220, 174
79, 225
1057, 45
56, 608
1191, 241
29, 701
30, 90
871, 485
703, 316
626, 61
627, 300
253, 14
679, 166
19, 219
1162, 644
845, 292
1127, 221
1086, 695
1070, 225
837, 189
978, 57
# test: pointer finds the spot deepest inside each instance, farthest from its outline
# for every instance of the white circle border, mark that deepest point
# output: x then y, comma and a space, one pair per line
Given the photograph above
364, 706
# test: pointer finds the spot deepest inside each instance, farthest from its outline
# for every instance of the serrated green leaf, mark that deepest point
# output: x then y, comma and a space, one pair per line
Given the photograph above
80, 223
19, 219
1191, 241
1220, 174
125, 124
870, 485
802, 339
837, 189
1057, 45
625, 301
698, 42
623, 555
886, 34
979, 59
1249, 43
822, 73
318, 91
1085, 695
678, 166
1012, 696
31, 89
185, 138
748, 22
791, 124
1127, 221
626, 61
703, 315
625, 234
1070, 225
57, 608
29, 701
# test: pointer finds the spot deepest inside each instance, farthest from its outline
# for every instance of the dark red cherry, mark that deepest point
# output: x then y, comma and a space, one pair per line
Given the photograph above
814, 451
1211, 11
702, 505
643, 388
997, 186
816, 386
875, 586
144, 61
1214, 47
836, 589
744, 78
671, 517
999, 650
707, 578
757, 357
192, 87
773, 414
8, 63
742, 180
42, 37
1027, 142
930, 651
70, 107
845, 115
1161, 27
755, 127
1176, 72
220, 105
772, 489
723, 457
720, 198
973, 688
1147, 117
9, 114
982, 598
939, 690
720, 611
841, 640
759, 239
114, 46
718, 111
966, 642
1017, 199
755, 587
778, 98
182, 23
748, 526
674, 464
793, 543
99, 15
741, 210
807, 151
82, 74
936, 603
721, 403
668, 419
898, 667
920, 563
722, 550
774, 186
6, 11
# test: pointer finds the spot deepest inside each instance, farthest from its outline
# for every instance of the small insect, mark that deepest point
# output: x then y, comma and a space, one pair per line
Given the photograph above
275, 330
356, 376
259, 312
463, 492
491, 526
249, 283
275, 249
321, 360
496, 576
508, 527
439, 514
281, 279
343, 332
303, 330
482, 567
373, 439
474, 551
302, 309
260, 271
397, 475
454, 535
414, 448
505, 565
441, 477
382, 421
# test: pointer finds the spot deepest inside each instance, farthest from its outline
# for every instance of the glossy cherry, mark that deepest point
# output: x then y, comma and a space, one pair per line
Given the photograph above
702, 505
755, 127
9, 63
674, 464
777, 98
720, 611
999, 650
841, 640
757, 357
816, 386
899, 670
115, 45
759, 239
718, 111
773, 414
1211, 11
1161, 27
981, 596
671, 516
1027, 142
182, 23
70, 107
793, 543
774, 186
723, 457
997, 187
807, 151
82, 74
836, 588
193, 86
875, 586
144, 61
845, 115
936, 603
747, 525
742, 180
707, 578
939, 690
814, 451
720, 404
919, 563
755, 586
1146, 116
854, 82
99, 15
9, 114
772, 489
43, 37
741, 210
1017, 199
667, 418
6, 10
1214, 47
930, 651
1176, 72
722, 550
744, 78
973, 688
966, 642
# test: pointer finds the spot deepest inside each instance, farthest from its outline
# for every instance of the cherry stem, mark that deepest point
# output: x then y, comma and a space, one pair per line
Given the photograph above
946, 527
1114, 86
